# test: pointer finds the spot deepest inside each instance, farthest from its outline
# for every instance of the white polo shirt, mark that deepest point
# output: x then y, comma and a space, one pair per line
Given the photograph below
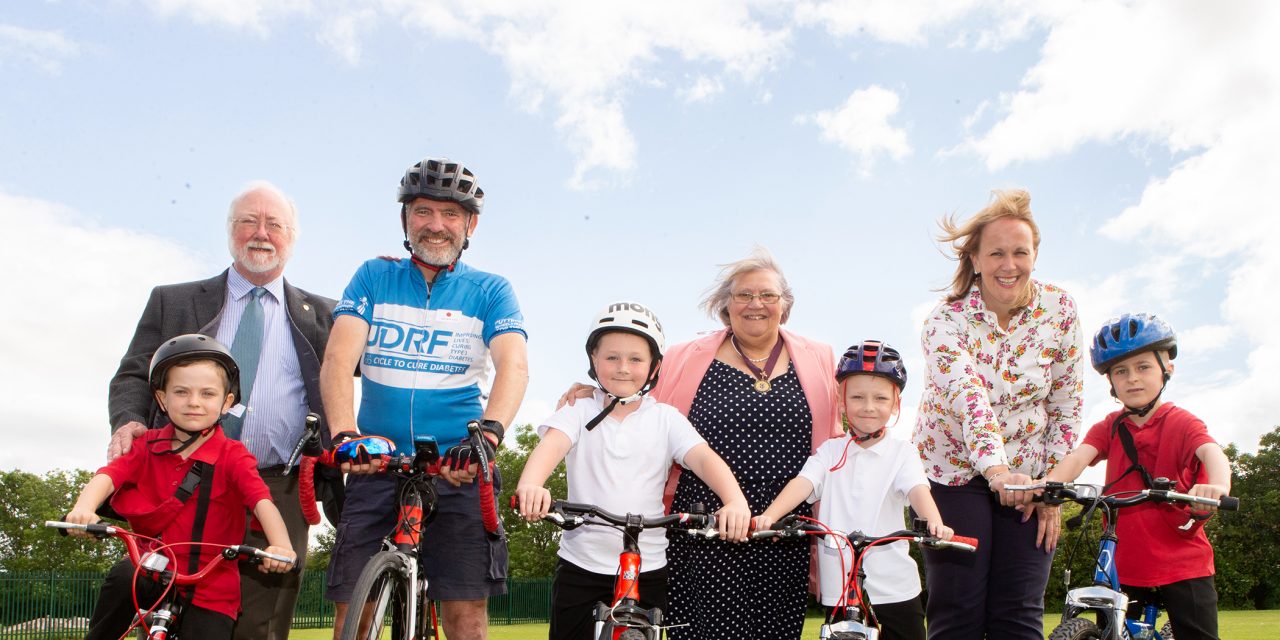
621, 467
867, 494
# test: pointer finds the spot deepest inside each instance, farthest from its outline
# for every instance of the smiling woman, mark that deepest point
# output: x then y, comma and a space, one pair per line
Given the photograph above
1001, 406
764, 399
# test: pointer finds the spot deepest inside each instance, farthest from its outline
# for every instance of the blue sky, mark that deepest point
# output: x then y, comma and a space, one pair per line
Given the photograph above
626, 149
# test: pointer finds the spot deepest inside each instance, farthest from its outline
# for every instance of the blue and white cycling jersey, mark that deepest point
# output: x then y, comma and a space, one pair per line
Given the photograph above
427, 354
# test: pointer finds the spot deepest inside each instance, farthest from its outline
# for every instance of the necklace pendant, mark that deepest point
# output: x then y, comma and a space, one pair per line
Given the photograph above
763, 386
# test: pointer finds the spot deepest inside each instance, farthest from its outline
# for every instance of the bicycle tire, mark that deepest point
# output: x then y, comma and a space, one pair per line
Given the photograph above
1166, 631
384, 586
1076, 629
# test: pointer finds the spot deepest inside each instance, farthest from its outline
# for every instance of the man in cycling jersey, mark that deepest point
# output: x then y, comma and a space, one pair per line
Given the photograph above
422, 332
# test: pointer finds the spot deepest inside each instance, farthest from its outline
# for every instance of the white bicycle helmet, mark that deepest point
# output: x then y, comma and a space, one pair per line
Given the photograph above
633, 318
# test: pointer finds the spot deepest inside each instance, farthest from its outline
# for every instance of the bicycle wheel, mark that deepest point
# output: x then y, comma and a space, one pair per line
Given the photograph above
379, 599
1166, 631
1076, 629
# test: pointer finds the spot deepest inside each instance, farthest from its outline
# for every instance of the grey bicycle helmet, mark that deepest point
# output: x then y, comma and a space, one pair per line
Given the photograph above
442, 179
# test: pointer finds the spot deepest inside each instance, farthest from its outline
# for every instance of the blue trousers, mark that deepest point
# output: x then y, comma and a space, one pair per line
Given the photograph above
996, 593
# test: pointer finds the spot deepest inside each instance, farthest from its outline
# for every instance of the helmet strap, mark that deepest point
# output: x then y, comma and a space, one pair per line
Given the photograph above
183, 443
648, 384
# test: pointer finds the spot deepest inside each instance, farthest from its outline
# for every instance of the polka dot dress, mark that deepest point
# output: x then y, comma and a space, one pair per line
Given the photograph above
750, 590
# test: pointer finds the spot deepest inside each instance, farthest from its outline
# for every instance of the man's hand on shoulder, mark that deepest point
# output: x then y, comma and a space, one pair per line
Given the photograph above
122, 439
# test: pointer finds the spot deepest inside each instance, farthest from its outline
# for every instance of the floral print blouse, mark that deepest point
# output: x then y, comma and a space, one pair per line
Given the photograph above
1000, 397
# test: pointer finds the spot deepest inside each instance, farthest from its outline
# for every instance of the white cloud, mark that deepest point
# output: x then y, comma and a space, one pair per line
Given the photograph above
44, 49
343, 32
912, 22
703, 89
579, 57
861, 125
75, 292
251, 15
1194, 79
1173, 72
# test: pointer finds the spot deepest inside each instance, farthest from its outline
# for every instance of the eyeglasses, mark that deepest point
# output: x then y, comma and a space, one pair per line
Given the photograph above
768, 297
274, 227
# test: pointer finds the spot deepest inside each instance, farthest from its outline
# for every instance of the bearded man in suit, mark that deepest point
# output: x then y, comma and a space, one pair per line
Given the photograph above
291, 330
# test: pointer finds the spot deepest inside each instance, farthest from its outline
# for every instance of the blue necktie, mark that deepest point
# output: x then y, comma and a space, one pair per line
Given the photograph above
247, 350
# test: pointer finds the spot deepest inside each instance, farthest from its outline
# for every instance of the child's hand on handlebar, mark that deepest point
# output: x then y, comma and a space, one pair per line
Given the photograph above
734, 520
939, 530
275, 566
532, 501
1211, 491
81, 515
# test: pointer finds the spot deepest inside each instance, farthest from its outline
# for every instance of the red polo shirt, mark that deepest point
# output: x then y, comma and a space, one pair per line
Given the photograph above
1154, 550
146, 478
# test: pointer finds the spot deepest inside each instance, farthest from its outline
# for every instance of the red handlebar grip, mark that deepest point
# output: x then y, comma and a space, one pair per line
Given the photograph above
307, 490
973, 542
488, 506
515, 504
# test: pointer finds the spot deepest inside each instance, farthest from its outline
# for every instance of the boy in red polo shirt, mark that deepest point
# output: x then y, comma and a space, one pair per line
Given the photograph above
195, 380
1162, 546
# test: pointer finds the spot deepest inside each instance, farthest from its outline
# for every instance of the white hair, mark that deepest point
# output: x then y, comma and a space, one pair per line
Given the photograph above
263, 185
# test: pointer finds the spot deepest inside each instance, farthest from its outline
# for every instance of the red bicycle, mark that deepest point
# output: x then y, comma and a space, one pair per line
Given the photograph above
623, 618
155, 623
852, 618
391, 592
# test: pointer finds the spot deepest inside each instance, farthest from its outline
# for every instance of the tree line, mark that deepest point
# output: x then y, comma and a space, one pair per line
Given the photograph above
1246, 543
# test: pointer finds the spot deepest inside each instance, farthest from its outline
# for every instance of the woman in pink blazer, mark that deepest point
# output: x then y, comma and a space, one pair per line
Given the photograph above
764, 399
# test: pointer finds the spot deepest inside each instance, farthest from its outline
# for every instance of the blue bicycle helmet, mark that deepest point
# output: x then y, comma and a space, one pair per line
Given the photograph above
1130, 334
875, 358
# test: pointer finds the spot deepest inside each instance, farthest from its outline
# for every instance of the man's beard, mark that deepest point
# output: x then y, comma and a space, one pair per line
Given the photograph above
256, 262
437, 255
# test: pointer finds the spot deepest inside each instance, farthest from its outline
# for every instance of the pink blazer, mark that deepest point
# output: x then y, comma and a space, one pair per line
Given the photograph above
685, 365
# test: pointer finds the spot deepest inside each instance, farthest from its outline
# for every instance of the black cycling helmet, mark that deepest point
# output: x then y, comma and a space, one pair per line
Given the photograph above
873, 357
186, 348
442, 179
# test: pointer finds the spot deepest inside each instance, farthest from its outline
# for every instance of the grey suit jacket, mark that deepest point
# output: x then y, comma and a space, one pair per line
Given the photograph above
196, 307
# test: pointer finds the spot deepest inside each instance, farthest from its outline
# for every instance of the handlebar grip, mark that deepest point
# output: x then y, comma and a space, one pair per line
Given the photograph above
1229, 503
973, 542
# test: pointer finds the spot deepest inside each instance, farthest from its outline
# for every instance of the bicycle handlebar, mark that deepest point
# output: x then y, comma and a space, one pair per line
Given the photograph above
571, 515
230, 552
1059, 492
795, 528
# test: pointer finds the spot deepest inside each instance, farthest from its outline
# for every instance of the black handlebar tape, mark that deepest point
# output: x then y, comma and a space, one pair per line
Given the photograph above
1229, 503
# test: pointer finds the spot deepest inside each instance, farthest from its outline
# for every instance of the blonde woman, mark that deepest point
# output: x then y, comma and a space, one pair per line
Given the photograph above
1001, 406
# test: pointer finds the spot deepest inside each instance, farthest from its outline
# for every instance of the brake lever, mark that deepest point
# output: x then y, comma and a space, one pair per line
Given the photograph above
310, 440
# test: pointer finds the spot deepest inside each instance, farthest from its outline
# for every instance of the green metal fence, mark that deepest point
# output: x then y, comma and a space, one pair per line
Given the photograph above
48, 605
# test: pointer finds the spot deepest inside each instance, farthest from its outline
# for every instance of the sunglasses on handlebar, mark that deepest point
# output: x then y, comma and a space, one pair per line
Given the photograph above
363, 450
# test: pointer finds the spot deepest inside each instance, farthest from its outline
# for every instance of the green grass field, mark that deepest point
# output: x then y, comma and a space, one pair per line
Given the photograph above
1233, 625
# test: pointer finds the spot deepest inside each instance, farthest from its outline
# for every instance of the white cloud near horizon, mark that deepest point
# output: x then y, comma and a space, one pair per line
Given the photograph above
70, 315
44, 49
861, 126
1199, 82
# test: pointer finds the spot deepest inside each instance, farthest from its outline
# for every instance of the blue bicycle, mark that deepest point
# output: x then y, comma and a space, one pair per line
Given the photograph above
1104, 599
